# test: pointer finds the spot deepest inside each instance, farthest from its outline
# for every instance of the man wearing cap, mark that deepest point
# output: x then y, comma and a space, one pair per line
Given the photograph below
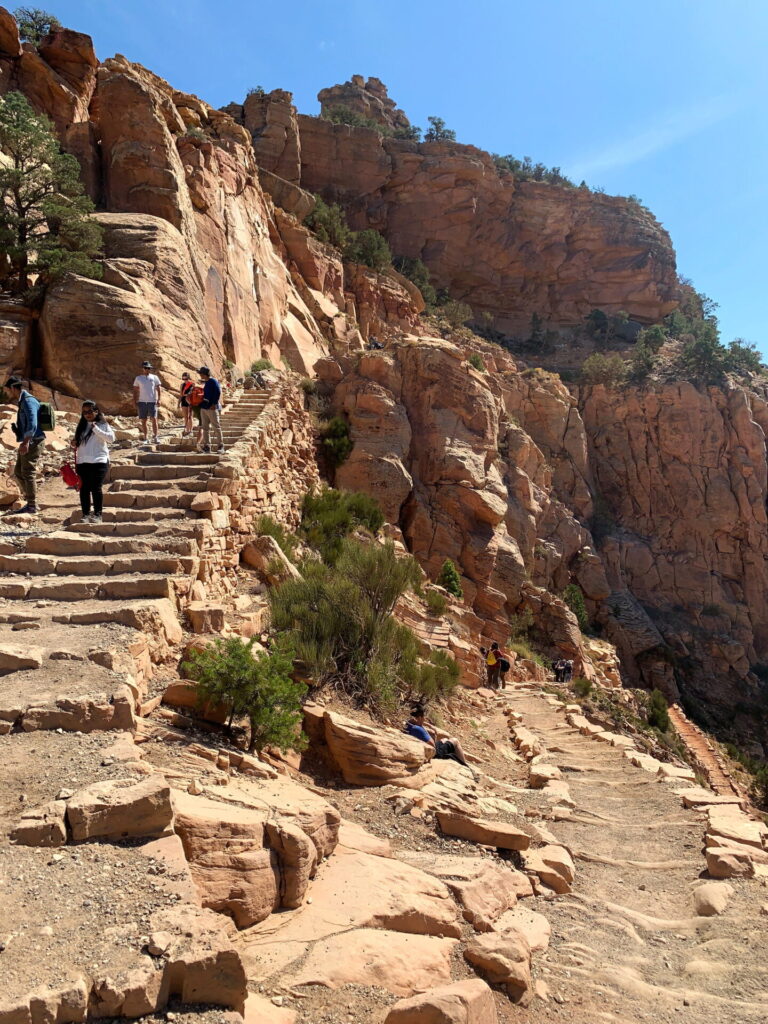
209, 409
146, 395
31, 442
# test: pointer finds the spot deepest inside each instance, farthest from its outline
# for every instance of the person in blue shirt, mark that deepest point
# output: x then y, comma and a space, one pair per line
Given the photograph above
210, 409
420, 729
31, 443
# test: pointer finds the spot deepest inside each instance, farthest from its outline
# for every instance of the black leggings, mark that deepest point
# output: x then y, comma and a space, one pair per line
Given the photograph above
92, 475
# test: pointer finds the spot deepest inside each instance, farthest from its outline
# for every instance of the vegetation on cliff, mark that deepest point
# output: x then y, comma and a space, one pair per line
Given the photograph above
45, 226
35, 23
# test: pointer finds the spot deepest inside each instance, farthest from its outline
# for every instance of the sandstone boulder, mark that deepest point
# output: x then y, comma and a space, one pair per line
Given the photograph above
119, 809
370, 756
206, 616
711, 898
266, 556
297, 857
227, 848
553, 865
464, 1002
730, 862
505, 959
540, 774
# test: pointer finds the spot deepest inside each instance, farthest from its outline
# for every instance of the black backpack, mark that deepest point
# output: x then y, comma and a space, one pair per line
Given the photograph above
46, 417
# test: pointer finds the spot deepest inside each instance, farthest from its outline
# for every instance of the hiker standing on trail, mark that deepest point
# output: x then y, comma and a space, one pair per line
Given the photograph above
92, 439
210, 409
492, 666
505, 664
31, 440
418, 727
146, 395
186, 387
568, 673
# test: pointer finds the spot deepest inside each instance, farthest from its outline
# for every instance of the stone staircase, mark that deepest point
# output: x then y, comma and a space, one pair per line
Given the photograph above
136, 569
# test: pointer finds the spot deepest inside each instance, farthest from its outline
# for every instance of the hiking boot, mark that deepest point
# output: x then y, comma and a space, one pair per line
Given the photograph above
206, 448
27, 510
96, 518
220, 448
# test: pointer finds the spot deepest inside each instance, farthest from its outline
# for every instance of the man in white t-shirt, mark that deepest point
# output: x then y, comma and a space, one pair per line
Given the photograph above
146, 395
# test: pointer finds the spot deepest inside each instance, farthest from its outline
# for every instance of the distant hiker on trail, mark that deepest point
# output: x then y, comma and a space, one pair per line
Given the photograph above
559, 669
210, 409
146, 395
31, 440
186, 387
505, 664
420, 729
492, 666
568, 671
92, 438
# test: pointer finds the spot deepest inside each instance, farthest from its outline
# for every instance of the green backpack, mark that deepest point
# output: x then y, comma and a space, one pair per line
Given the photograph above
46, 417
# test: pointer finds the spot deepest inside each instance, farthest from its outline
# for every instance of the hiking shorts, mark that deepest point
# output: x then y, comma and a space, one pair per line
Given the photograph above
147, 409
444, 749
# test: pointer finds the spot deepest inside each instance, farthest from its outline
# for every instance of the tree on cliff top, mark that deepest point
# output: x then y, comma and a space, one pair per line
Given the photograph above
45, 225
437, 132
35, 23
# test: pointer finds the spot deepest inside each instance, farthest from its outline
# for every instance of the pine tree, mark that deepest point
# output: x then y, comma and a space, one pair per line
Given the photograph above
449, 579
35, 23
45, 226
258, 687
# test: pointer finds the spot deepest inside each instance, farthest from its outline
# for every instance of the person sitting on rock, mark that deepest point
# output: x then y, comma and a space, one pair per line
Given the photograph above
420, 729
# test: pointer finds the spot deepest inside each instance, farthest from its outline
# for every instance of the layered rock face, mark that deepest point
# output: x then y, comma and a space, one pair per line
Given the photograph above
509, 248
436, 444
684, 474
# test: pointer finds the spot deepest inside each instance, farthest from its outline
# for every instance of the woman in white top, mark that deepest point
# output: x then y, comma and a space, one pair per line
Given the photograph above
92, 438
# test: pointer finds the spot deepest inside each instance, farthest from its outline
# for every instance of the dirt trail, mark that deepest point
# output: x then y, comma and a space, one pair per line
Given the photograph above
697, 743
626, 944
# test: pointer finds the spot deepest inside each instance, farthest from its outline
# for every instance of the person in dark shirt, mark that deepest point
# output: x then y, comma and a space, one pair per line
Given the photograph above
31, 443
210, 410
417, 726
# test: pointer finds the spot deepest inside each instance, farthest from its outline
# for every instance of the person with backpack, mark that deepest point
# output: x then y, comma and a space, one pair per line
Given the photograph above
29, 432
92, 439
146, 395
505, 664
492, 666
210, 409
187, 387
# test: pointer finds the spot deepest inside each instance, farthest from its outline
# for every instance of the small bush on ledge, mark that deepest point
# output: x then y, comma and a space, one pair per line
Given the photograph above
449, 579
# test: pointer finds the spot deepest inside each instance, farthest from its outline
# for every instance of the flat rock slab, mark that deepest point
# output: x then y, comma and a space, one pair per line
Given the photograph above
489, 833
530, 923
400, 963
373, 756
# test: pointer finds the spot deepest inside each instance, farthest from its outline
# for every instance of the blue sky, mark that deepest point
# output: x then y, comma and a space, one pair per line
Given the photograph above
666, 100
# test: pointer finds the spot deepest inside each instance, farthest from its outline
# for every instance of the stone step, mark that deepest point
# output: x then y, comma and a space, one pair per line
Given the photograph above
73, 544
79, 588
161, 486
150, 615
148, 499
176, 458
94, 563
129, 472
159, 517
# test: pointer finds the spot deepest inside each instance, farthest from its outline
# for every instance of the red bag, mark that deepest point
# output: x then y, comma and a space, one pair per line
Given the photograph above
70, 476
195, 396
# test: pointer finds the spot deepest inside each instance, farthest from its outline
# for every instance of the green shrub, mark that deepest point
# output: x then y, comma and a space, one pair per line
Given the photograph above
449, 579
437, 132
436, 602
743, 357
257, 90
195, 133
286, 541
412, 133
261, 364
527, 170
610, 371
658, 715
329, 224
476, 360
328, 516
456, 313
520, 626
712, 609
523, 649
581, 687
341, 114
652, 337
339, 617
256, 686
308, 385
369, 248
337, 444
573, 596
417, 272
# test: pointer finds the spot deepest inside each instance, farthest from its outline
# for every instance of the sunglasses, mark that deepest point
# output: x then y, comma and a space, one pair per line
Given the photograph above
89, 412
